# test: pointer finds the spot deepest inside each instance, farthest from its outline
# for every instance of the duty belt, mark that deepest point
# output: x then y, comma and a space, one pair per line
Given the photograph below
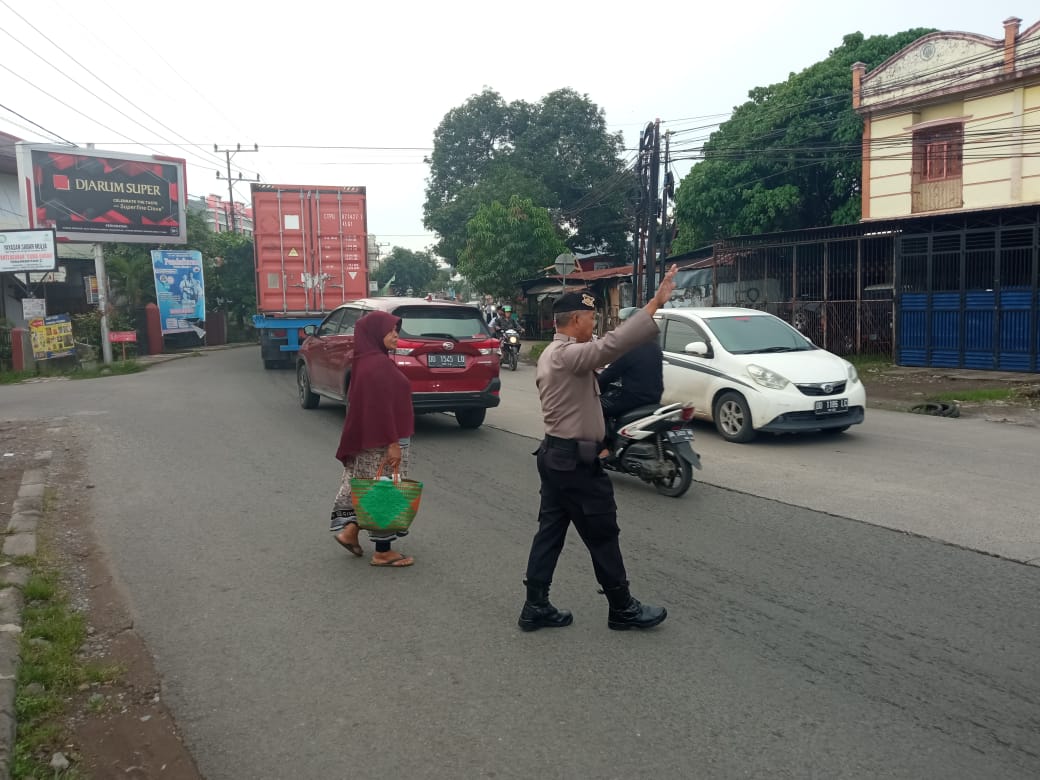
571, 445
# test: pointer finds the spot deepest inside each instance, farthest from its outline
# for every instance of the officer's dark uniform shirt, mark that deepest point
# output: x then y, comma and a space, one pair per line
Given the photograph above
640, 372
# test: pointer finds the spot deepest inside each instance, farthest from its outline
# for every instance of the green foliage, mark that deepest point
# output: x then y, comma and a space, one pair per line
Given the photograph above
506, 244
556, 153
409, 270
788, 158
230, 275
228, 272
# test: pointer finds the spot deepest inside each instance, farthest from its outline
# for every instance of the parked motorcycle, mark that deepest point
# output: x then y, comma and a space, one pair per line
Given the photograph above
654, 444
509, 348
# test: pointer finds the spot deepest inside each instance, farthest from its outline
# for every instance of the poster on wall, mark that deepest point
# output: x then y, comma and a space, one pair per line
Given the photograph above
180, 290
51, 337
92, 195
34, 308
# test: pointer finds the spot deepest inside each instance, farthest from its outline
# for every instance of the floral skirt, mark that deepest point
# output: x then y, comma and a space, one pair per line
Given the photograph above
364, 466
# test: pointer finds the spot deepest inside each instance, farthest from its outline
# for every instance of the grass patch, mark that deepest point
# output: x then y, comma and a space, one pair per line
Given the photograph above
537, 347
14, 377
92, 371
50, 674
977, 396
870, 363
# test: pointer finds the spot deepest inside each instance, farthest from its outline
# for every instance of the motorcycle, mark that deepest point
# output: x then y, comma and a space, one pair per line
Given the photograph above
654, 443
509, 348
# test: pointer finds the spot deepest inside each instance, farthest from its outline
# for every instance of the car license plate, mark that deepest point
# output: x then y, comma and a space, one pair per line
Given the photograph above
831, 406
446, 361
683, 434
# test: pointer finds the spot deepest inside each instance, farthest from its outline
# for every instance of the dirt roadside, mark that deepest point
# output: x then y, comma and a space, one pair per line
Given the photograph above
120, 729
133, 734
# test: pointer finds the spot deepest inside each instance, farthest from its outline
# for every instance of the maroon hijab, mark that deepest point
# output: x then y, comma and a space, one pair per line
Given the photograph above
379, 410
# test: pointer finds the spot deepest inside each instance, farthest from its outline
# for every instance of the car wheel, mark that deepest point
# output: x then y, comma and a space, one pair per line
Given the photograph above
470, 418
308, 398
733, 418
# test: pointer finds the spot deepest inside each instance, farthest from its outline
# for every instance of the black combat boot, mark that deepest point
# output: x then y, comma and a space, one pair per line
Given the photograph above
538, 612
626, 612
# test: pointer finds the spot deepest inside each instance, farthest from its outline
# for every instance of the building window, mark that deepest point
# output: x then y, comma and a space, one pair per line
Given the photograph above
938, 161
939, 152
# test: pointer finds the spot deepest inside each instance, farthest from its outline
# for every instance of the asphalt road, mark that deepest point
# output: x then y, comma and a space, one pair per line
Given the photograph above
798, 644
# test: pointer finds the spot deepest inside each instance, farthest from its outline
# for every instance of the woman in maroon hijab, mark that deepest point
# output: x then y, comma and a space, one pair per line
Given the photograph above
377, 431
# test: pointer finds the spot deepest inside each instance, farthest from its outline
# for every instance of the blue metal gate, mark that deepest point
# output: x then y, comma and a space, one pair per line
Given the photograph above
968, 296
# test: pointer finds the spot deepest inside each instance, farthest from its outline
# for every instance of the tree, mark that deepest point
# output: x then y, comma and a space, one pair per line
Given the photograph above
408, 269
231, 275
129, 266
506, 244
556, 153
788, 158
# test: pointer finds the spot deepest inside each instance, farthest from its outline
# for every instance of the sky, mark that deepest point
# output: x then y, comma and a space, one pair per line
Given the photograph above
352, 93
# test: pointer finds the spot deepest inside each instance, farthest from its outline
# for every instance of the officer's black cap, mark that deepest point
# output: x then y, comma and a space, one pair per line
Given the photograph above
574, 302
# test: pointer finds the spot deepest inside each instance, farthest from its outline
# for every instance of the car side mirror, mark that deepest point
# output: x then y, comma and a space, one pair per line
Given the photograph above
696, 348
310, 330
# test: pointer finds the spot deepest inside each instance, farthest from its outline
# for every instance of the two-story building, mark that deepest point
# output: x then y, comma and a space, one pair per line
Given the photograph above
952, 122
951, 152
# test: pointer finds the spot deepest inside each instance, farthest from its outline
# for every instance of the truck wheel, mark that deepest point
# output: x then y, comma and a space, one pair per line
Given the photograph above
470, 418
308, 399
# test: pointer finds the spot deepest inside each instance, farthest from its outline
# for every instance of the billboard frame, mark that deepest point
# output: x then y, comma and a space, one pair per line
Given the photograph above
29, 192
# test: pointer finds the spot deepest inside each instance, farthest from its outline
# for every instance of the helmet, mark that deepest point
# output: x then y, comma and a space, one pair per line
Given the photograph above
507, 308
627, 312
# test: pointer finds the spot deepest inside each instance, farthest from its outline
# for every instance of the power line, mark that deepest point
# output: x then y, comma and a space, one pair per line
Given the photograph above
99, 79
74, 109
49, 132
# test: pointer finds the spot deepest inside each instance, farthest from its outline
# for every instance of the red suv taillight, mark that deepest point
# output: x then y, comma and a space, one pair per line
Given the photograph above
405, 347
487, 347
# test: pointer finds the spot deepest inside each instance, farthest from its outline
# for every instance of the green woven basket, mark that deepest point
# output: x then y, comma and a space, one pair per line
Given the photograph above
385, 505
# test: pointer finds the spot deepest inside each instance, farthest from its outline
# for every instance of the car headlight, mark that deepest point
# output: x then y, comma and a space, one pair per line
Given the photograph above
853, 374
767, 378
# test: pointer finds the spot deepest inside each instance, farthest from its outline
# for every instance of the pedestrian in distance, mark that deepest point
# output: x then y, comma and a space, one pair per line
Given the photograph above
376, 433
574, 487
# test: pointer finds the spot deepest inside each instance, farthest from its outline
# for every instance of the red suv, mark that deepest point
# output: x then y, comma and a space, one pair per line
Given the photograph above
445, 349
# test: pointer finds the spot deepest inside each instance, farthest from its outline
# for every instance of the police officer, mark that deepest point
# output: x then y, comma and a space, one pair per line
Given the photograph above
574, 486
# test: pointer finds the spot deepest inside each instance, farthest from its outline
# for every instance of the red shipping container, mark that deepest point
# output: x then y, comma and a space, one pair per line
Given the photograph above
310, 247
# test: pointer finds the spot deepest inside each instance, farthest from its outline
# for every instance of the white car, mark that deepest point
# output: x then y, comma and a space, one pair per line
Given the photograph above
748, 371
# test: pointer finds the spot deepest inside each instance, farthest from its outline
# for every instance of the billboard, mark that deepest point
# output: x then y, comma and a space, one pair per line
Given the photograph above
180, 290
90, 195
27, 250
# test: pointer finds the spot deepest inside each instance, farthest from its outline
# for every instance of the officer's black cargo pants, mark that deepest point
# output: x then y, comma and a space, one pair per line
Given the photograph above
576, 492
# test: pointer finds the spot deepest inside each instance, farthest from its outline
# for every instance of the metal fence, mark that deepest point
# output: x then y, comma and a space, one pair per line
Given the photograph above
835, 286
6, 360
970, 295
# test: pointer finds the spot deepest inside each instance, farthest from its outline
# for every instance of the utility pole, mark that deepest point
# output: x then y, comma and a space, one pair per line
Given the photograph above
667, 193
644, 269
230, 182
652, 223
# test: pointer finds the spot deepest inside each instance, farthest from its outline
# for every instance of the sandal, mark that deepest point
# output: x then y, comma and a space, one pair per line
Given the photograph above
395, 563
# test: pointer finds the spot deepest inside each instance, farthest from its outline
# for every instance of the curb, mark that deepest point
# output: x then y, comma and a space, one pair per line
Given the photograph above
20, 541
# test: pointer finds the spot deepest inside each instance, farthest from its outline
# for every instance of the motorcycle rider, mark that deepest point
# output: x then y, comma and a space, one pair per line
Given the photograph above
641, 374
505, 320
